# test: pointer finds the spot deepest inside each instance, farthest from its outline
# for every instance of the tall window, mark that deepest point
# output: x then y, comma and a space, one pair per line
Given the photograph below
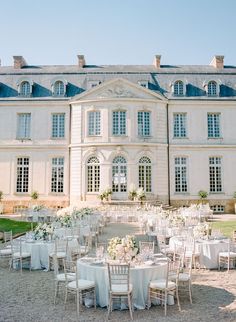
180, 125
23, 125
213, 122
58, 125
178, 88
145, 174
57, 179
181, 174
25, 88
59, 88
94, 123
143, 123
119, 122
212, 88
215, 174
93, 174
119, 175
22, 171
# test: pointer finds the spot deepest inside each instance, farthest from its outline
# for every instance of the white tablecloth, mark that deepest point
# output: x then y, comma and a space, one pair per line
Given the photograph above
40, 251
208, 249
139, 277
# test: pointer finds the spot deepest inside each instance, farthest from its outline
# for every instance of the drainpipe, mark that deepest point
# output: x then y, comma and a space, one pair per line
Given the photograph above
168, 151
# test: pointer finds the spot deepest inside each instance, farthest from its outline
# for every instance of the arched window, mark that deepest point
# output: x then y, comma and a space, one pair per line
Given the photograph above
93, 174
25, 88
212, 88
145, 174
59, 88
119, 174
178, 89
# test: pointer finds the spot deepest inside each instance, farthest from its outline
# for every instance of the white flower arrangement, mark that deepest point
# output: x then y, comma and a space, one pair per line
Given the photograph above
37, 207
66, 215
122, 248
177, 219
43, 230
201, 230
132, 192
105, 194
141, 194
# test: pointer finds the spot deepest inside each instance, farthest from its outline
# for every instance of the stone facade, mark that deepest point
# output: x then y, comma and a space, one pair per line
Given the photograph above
63, 98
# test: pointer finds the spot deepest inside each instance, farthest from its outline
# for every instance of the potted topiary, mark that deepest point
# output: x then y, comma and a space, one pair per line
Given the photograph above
203, 195
1, 204
34, 196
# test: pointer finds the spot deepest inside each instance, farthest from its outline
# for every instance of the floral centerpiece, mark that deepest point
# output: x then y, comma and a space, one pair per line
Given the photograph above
141, 194
201, 230
132, 192
105, 194
66, 216
123, 249
43, 231
37, 207
177, 219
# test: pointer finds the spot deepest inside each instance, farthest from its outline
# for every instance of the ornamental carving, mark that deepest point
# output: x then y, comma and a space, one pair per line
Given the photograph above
117, 91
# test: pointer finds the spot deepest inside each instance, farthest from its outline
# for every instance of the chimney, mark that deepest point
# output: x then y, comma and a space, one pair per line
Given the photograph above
81, 61
157, 61
19, 62
217, 62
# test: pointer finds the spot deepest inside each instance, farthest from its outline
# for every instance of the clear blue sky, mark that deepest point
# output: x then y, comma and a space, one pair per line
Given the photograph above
53, 32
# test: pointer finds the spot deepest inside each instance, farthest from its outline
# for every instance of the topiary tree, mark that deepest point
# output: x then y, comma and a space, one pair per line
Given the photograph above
34, 195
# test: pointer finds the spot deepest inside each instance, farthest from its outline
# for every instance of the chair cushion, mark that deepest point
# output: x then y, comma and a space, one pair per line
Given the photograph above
23, 255
226, 254
58, 254
121, 288
161, 284
190, 253
62, 277
83, 284
6, 251
184, 277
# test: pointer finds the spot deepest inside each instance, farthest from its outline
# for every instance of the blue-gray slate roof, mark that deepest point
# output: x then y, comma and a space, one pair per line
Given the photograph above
159, 79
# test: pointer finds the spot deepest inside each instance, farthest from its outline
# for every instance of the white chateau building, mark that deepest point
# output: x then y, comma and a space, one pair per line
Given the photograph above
68, 132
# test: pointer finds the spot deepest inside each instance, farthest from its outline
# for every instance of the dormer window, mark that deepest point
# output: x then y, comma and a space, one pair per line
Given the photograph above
25, 88
59, 88
178, 88
212, 89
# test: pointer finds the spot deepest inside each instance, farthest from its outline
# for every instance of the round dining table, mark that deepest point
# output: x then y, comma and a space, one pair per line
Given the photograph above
140, 276
209, 249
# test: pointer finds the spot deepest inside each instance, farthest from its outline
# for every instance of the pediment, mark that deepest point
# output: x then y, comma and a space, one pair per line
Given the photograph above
118, 88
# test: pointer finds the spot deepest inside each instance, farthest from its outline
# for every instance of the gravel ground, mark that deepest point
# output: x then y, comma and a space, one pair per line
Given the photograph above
29, 297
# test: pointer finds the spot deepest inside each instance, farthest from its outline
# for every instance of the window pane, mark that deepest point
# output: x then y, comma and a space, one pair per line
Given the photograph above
119, 123
94, 120
145, 174
119, 175
181, 174
57, 176
179, 125
213, 122
93, 175
22, 181
24, 125
58, 125
143, 123
59, 88
215, 174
